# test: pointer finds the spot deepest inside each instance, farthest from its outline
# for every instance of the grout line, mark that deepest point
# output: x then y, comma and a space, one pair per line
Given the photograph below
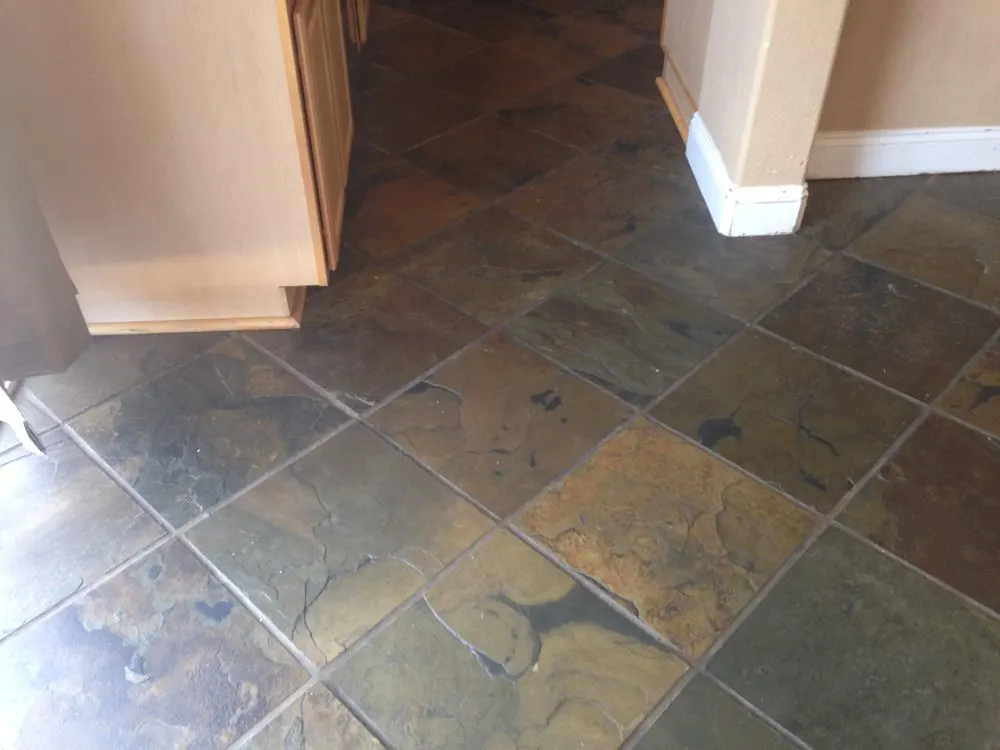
360, 714
273, 714
778, 728
643, 727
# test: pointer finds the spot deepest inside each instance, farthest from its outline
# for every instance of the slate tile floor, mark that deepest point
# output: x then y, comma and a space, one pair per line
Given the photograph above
550, 465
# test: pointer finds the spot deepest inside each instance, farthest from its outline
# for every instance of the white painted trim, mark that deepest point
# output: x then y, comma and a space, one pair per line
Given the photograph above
741, 211
886, 153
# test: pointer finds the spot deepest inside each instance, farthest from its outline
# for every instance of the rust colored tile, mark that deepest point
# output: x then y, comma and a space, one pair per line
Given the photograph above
902, 334
416, 45
500, 422
634, 71
683, 540
400, 116
975, 398
492, 20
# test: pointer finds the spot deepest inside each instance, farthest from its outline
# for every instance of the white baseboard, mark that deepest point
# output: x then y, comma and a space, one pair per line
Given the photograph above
741, 211
888, 153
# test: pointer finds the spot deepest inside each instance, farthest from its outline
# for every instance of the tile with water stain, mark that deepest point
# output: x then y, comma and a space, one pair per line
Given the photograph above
936, 504
596, 200
941, 244
369, 336
975, 398
397, 204
317, 721
790, 418
508, 652
903, 334
192, 437
656, 147
494, 265
329, 546
63, 525
581, 113
38, 420
682, 540
500, 422
113, 364
634, 71
742, 276
853, 650
402, 115
492, 20
159, 656
491, 157
624, 332
416, 45
705, 717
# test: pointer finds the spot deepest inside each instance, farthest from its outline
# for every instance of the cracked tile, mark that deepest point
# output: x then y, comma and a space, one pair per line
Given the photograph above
793, 420
532, 659
975, 398
159, 656
332, 544
317, 721
500, 422
683, 540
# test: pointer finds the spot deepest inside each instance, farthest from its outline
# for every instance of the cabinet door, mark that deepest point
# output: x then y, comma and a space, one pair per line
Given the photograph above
323, 68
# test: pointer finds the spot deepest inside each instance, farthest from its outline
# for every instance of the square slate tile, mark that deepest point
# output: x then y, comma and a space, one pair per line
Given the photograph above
933, 241
332, 544
643, 17
494, 265
402, 115
370, 336
658, 148
492, 20
397, 204
317, 721
159, 656
741, 276
900, 333
678, 537
634, 71
936, 504
623, 332
366, 76
491, 157
580, 113
194, 436
63, 525
852, 650
975, 398
500, 422
113, 364
508, 651
382, 16
704, 717
596, 200
974, 191
38, 420
788, 417
416, 45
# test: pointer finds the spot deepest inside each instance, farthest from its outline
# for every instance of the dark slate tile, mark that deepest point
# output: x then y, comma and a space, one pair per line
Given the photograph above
113, 364
317, 721
978, 191
402, 115
63, 524
658, 148
596, 200
332, 544
975, 398
704, 717
680, 538
634, 71
416, 45
558, 6
370, 336
491, 157
492, 20
936, 504
38, 420
788, 417
159, 656
936, 242
491, 78
580, 113
426, 8
194, 436
898, 332
494, 265
742, 276
500, 422
532, 660
853, 650
397, 204
840, 211
367, 76
642, 17
382, 16
623, 332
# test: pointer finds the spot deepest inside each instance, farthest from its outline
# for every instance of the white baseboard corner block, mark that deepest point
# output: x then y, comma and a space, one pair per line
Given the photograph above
738, 210
892, 153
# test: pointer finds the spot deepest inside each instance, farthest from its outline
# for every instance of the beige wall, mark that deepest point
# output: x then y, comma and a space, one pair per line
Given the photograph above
685, 40
916, 64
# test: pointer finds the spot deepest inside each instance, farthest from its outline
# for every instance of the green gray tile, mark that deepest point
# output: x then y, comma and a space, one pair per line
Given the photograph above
853, 650
317, 721
973, 191
332, 544
656, 147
